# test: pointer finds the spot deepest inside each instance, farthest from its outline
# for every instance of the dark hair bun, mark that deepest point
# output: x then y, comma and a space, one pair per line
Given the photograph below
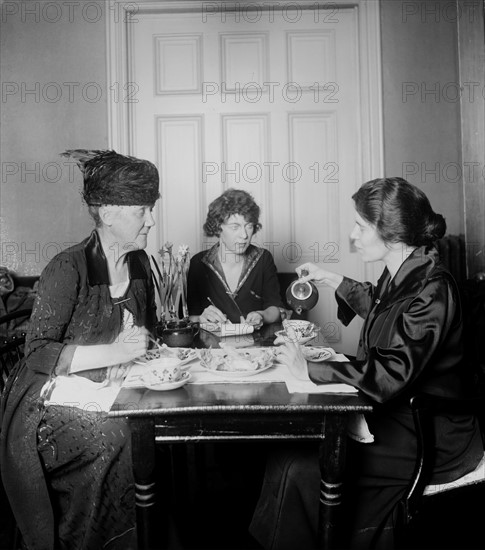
434, 229
400, 211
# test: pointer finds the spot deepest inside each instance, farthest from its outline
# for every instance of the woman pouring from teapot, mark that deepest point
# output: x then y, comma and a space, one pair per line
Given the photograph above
411, 342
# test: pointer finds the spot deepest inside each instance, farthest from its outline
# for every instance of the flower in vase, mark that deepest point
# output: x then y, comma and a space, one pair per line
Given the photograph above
170, 279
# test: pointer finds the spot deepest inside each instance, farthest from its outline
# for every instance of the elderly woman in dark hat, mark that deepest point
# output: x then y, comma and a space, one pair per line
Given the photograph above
67, 471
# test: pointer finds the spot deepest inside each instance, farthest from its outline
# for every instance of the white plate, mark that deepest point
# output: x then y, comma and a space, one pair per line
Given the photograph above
302, 340
164, 386
316, 354
236, 373
262, 358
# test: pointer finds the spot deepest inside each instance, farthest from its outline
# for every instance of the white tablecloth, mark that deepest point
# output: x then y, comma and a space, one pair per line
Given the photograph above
277, 373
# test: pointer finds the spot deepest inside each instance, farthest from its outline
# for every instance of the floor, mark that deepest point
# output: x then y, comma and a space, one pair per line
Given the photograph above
218, 496
451, 521
213, 502
7, 524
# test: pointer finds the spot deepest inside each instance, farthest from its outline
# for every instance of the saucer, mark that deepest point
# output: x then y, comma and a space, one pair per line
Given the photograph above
164, 386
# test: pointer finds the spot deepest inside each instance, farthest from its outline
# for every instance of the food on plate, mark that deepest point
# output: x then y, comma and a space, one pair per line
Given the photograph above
185, 353
235, 360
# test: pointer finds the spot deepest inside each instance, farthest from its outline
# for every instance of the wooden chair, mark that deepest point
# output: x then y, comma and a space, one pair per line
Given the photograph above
421, 507
452, 249
12, 342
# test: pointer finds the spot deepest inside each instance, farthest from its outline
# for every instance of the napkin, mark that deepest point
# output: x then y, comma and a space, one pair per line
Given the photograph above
304, 386
357, 428
296, 385
82, 393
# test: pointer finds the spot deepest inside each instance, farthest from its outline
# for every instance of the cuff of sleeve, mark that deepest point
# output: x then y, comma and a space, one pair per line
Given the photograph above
345, 313
64, 362
318, 373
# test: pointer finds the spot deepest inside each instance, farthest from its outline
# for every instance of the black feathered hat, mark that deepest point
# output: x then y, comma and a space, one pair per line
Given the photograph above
111, 178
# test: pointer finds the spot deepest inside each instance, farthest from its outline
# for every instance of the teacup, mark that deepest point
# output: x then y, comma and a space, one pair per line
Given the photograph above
302, 328
163, 370
303, 331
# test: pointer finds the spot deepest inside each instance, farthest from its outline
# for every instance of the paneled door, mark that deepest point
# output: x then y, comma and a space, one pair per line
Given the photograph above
266, 97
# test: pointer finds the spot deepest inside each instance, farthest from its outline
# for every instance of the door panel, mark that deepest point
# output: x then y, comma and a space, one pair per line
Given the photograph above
270, 105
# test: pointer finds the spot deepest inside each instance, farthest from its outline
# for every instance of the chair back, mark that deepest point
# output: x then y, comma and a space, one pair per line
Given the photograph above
424, 408
12, 343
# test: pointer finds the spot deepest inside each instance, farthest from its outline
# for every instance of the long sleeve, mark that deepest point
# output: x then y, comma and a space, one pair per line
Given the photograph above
52, 312
406, 343
353, 298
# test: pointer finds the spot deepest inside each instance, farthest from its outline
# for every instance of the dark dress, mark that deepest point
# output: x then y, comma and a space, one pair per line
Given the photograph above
258, 289
258, 286
67, 472
411, 342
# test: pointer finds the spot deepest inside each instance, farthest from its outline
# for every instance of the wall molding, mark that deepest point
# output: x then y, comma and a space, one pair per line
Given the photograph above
471, 55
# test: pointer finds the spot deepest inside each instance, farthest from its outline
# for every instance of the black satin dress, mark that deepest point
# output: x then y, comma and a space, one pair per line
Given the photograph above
68, 472
411, 342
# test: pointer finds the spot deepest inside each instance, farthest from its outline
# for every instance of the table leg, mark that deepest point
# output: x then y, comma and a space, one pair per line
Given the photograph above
332, 464
143, 454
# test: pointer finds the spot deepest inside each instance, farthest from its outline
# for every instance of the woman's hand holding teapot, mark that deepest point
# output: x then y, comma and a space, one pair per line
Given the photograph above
311, 272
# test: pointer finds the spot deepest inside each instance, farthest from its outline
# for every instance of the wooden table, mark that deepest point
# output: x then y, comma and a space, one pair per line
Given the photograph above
211, 412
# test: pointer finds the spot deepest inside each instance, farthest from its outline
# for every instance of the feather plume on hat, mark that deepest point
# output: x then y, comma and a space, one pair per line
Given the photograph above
111, 178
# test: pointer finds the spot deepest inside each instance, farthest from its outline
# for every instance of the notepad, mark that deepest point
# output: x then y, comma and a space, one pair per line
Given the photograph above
228, 329
236, 329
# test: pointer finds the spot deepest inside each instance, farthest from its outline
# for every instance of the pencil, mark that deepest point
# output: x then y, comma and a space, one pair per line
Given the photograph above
212, 303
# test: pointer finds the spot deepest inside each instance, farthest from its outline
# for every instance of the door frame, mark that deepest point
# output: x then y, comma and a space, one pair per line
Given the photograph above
122, 16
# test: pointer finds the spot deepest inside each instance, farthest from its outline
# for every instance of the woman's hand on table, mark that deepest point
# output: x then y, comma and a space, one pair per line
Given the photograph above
289, 354
212, 314
254, 318
319, 275
131, 343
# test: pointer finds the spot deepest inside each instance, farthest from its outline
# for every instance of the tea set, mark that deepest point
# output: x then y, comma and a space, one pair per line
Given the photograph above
165, 368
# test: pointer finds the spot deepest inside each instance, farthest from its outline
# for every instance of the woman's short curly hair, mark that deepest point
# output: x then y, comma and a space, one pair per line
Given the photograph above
232, 201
